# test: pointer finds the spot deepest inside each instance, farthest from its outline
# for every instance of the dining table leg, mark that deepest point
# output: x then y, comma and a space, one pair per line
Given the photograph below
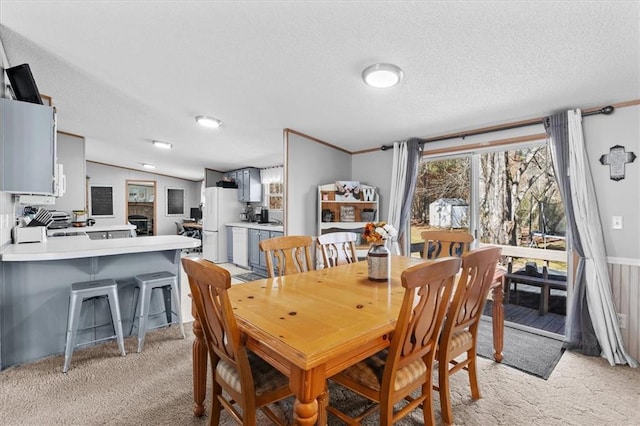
199, 354
309, 388
498, 318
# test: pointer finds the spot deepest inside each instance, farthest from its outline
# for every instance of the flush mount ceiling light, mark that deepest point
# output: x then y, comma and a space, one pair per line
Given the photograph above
163, 145
382, 76
205, 121
148, 166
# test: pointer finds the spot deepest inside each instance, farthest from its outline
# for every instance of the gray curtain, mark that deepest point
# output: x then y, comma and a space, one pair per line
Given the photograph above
414, 153
579, 332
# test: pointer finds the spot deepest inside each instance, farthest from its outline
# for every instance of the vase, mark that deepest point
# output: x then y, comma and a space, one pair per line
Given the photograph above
378, 262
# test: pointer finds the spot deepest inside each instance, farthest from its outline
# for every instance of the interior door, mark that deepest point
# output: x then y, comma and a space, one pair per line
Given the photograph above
141, 205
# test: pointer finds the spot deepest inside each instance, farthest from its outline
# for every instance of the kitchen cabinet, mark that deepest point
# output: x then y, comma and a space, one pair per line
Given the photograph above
70, 150
28, 146
107, 235
351, 215
249, 185
257, 260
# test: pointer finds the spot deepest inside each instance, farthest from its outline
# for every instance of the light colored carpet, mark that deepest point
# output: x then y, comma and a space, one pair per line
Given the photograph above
154, 388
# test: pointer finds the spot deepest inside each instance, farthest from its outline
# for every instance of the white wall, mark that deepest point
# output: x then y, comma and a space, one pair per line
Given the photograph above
308, 164
621, 198
374, 168
100, 174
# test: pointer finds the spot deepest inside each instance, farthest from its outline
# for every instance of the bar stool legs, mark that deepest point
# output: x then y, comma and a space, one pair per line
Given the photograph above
80, 292
146, 283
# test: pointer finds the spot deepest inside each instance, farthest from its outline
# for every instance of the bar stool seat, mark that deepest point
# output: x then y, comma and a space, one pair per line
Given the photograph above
145, 284
81, 292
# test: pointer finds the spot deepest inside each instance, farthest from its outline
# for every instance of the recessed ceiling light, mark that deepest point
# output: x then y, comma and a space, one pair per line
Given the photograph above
205, 121
382, 76
163, 145
148, 166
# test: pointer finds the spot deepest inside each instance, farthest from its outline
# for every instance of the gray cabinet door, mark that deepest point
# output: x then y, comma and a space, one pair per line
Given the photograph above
28, 144
119, 234
98, 235
254, 247
253, 193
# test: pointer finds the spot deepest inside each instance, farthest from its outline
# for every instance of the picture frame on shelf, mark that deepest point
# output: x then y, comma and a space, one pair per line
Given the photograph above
327, 215
347, 190
347, 213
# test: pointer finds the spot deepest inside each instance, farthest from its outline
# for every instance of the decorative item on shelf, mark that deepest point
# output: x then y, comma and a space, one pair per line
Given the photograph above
368, 193
347, 213
368, 215
378, 257
347, 190
327, 215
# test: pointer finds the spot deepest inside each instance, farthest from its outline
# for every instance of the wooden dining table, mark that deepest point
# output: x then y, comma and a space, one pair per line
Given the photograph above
314, 324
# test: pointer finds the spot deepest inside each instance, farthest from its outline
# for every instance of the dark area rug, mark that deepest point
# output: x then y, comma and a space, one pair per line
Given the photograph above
249, 276
528, 352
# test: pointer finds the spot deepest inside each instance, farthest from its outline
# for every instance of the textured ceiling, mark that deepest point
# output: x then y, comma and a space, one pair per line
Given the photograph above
124, 73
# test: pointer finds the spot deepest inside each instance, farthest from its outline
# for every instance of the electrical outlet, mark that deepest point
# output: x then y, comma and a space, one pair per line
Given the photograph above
617, 222
622, 320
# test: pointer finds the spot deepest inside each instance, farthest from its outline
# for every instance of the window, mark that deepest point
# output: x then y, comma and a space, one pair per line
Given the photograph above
274, 195
507, 197
272, 179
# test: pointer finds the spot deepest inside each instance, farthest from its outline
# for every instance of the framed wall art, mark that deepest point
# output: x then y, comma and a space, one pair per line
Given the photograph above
347, 213
347, 190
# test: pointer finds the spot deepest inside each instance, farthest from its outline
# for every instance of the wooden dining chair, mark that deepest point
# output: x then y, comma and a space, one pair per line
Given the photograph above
248, 380
395, 373
460, 332
338, 248
445, 243
287, 255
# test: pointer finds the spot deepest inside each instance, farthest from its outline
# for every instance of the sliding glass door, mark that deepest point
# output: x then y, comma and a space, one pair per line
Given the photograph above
507, 196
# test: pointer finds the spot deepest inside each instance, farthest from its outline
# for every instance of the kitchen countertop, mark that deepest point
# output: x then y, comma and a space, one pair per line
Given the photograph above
81, 246
253, 225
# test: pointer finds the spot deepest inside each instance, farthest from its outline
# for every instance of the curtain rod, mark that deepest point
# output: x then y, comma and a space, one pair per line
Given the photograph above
604, 110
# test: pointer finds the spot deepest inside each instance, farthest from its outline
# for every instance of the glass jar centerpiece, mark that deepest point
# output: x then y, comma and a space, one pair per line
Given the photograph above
378, 257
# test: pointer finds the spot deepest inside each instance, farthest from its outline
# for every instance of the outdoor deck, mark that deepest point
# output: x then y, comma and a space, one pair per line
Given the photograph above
530, 317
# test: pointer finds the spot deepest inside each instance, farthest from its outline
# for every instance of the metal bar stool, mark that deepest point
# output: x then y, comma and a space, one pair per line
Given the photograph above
145, 284
81, 292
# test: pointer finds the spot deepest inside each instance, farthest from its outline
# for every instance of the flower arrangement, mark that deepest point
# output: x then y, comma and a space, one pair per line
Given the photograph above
378, 232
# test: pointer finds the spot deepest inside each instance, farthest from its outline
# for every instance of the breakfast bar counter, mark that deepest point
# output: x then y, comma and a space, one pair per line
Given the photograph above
37, 278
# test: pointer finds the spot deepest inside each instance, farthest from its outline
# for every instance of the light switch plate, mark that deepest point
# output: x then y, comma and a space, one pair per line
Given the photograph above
617, 222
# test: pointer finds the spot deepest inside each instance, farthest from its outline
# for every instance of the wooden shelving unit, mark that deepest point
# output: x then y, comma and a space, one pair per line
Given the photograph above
346, 215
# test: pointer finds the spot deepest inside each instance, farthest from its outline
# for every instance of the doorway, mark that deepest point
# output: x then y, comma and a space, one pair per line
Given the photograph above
141, 205
506, 196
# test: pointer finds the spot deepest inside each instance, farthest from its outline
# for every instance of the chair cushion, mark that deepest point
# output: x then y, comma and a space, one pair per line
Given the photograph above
265, 377
460, 338
369, 372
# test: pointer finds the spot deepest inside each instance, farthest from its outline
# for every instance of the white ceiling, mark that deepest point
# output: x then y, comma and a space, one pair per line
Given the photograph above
124, 73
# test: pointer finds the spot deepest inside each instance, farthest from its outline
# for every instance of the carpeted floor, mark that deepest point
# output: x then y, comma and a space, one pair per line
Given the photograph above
155, 388
528, 352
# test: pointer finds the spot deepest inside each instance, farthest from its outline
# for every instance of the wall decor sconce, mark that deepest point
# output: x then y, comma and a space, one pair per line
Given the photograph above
616, 159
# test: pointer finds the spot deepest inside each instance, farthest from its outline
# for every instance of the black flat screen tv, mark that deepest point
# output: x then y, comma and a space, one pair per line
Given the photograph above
23, 85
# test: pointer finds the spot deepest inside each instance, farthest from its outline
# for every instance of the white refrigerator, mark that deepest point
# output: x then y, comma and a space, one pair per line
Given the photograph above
221, 206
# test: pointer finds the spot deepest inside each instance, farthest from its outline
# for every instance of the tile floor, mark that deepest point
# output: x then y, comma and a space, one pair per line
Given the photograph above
185, 300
